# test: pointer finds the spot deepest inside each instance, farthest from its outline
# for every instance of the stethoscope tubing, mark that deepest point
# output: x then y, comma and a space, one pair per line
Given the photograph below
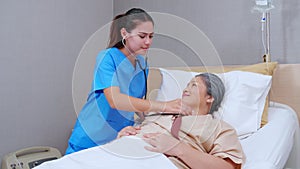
145, 74
164, 114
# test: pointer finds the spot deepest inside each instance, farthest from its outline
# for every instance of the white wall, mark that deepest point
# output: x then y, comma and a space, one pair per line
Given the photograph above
39, 44
231, 26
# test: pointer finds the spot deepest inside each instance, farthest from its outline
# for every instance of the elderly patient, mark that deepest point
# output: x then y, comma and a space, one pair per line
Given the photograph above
200, 140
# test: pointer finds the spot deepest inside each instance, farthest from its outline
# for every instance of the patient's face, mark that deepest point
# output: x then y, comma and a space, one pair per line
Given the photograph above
195, 94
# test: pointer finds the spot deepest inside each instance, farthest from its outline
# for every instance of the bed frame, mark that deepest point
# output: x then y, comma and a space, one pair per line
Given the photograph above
285, 85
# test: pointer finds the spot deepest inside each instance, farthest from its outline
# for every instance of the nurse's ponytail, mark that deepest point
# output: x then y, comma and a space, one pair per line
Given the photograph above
129, 21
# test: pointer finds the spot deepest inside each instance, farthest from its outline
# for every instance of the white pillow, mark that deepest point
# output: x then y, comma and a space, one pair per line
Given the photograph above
173, 83
243, 102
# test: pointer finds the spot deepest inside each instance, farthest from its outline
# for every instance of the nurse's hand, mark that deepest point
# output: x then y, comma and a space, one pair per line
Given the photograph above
177, 106
128, 131
186, 109
173, 106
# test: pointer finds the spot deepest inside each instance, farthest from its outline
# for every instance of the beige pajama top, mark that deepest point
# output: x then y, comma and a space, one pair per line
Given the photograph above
202, 132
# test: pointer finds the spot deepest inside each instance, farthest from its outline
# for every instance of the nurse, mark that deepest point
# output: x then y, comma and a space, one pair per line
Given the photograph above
119, 84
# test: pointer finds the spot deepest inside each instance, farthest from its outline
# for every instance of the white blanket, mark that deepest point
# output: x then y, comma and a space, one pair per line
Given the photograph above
269, 147
126, 152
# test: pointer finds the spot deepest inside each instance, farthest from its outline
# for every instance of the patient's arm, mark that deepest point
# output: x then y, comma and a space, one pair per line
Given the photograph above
201, 160
193, 158
129, 130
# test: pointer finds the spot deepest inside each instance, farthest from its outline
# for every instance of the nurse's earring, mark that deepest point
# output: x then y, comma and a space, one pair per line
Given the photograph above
123, 40
124, 37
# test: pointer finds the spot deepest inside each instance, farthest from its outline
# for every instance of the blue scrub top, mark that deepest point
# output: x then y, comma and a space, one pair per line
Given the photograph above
97, 122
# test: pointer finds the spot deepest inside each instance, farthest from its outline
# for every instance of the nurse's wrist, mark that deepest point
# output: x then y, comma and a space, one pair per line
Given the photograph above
162, 106
157, 106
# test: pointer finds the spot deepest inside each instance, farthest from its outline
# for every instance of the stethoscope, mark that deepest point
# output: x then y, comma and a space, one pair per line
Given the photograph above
144, 71
140, 66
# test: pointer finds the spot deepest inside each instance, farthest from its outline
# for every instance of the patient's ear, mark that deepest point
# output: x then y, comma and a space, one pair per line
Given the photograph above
210, 99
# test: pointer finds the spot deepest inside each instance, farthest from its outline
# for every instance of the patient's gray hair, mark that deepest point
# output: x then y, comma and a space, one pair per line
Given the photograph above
215, 88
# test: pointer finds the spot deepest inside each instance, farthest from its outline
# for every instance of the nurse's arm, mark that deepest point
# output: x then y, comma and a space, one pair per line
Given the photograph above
120, 101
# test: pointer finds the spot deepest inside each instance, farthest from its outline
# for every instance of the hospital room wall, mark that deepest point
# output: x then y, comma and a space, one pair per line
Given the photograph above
39, 44
232, 27
41, 40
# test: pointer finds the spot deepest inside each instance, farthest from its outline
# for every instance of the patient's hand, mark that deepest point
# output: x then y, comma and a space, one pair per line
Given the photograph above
162, 143
129, 130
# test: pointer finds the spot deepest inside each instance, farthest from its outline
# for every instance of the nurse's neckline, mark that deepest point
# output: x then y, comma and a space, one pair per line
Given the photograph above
132, 59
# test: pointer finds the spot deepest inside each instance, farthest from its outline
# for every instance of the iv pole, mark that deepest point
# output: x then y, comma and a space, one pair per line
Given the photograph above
267, 55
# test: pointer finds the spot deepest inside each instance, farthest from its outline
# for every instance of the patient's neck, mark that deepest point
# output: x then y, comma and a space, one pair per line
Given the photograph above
201, 110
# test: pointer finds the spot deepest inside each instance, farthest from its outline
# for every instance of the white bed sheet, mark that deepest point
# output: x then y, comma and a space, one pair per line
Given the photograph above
126, 153
269, 148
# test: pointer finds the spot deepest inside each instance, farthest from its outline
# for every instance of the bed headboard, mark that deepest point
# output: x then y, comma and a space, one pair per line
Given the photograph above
285, 85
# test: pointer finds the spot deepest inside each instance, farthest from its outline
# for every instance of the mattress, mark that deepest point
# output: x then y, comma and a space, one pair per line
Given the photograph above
268, 148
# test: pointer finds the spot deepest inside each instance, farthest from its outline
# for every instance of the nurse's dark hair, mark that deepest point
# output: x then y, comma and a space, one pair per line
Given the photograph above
129, 21
215, 88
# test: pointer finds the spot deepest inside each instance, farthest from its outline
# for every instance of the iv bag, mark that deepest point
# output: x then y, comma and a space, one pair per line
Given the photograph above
263, 6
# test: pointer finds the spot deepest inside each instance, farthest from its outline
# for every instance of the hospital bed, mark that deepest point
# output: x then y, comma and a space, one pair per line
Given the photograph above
271, 144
